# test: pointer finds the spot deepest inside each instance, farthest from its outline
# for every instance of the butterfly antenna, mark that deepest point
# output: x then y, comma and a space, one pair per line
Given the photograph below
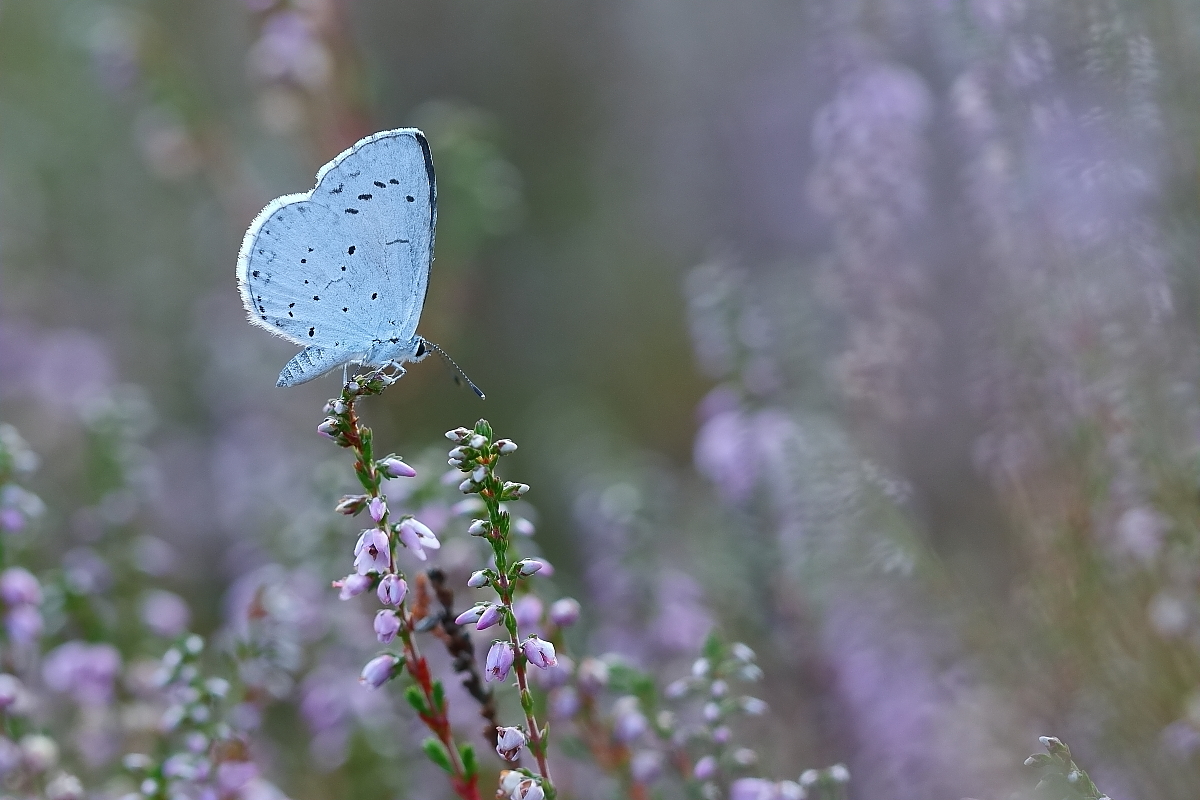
456, 367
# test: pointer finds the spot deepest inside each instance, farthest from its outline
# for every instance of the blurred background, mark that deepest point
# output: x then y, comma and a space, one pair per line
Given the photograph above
863, 332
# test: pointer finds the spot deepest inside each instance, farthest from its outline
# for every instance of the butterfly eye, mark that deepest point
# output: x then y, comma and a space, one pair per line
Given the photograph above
421, 349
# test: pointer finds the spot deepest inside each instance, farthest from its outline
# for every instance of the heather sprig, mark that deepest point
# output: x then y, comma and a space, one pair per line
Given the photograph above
476, 454
1060, 777
376, 568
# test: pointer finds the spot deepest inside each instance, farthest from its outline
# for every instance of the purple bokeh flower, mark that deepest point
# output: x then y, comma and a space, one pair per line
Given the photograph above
86, 671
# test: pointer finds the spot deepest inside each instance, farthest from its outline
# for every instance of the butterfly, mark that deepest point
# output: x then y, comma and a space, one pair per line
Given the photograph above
343, 269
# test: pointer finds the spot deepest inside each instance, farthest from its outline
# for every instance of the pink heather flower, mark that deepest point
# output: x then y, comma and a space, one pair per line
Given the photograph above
645, 767
19, 587
378, 670
539, 652
506, 446
528, 611
565, 612
24, 624
377, 508
629, 721
417, 537
721, 734
235, 775
351, 504
387, 625
509, 742
352, 586
10, 690
373, 552
165, 613
753, 789
11, 520
491, 615
499, 660
393, 467
478, 579
86, 671
564, 702
705, 769
530, 790
392, 590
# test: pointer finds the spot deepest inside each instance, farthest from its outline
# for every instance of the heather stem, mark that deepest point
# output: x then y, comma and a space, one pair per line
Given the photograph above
352, 434
491, 491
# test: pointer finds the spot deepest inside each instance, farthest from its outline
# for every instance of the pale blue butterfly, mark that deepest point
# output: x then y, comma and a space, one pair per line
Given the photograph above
343, 269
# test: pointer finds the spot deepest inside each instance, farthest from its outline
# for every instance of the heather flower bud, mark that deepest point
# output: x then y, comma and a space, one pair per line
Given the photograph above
458, 454
351, 504
565, 612
539, 652
479, 579
19, 587
712, 712
352, 586
515, 490
480, 527
393, 467
510, 779
509, 742
839, 774
645, 767
677, 689
721, 734
700, 667
742, 652
490, 616
10, 690
379, 670
328, 427
477, 442
753, 706
458, 434
468, 487
809, 777
527, 566
499, 660
705, 769
790, 790
528, 611
64, 787
377, 508
719, 688
506, 446
479, 474
472, 614
593, 675
392, 590
39, 752
387, 625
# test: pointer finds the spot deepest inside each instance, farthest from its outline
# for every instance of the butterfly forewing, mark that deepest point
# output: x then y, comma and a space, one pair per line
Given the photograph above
346, 265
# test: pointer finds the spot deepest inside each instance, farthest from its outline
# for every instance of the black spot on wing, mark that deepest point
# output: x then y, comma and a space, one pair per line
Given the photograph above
396, 241
394, 182
364, 197
255, 273
312, 332
351, 210
410, 198
380, 184
350, 251
374, 295
333, 191
354, 174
